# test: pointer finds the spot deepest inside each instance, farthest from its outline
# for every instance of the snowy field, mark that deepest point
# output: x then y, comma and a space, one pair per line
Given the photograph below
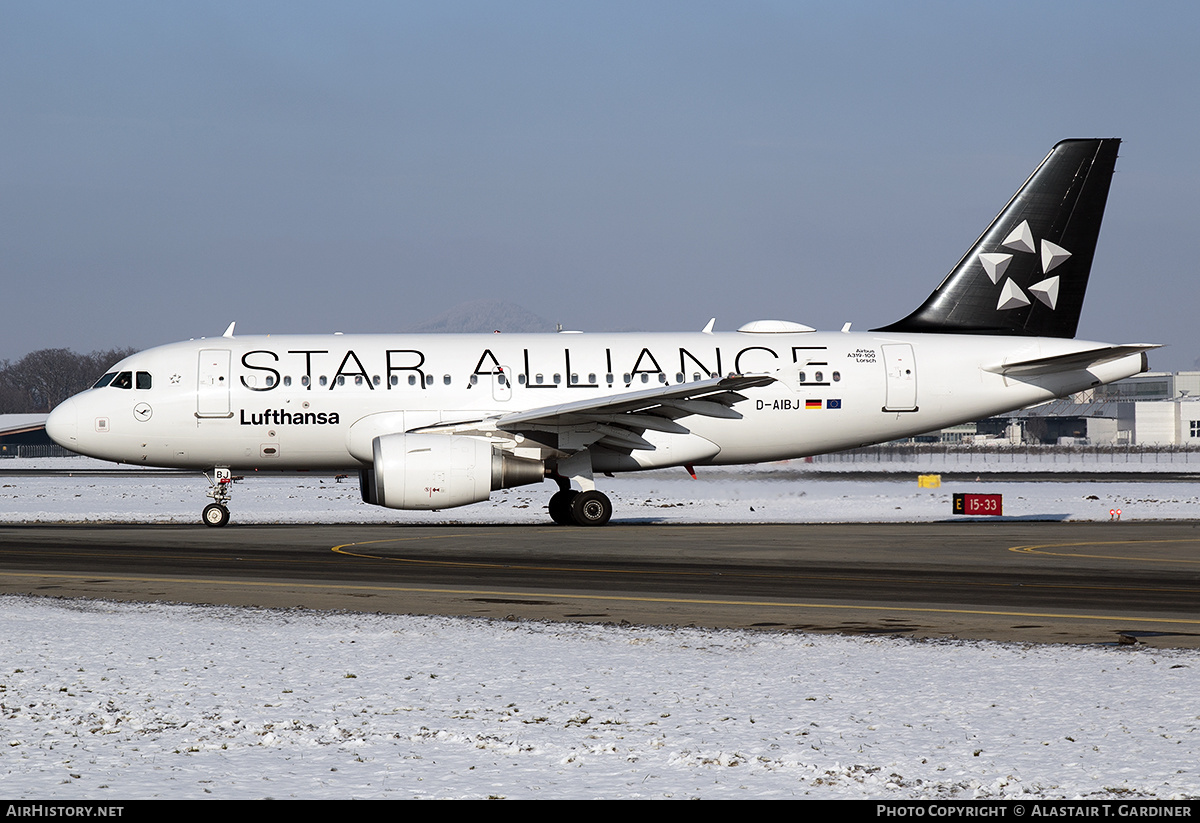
122, 701
775, 493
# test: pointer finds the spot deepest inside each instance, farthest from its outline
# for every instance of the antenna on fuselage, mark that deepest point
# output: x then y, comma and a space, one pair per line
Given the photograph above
229, 331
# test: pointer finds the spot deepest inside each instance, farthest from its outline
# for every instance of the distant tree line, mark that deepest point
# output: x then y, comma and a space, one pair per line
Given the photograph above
41, 380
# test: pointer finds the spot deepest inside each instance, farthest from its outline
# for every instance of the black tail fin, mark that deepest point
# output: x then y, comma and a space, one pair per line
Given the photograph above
1027, 273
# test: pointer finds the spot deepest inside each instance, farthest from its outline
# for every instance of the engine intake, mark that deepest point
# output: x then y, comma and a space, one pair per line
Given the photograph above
437, 471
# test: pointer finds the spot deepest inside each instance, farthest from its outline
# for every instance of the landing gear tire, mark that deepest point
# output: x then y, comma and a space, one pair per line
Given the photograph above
591, 508
215, 515
560, 507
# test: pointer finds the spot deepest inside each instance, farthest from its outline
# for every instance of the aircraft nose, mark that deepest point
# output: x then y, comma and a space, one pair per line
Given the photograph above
63, 424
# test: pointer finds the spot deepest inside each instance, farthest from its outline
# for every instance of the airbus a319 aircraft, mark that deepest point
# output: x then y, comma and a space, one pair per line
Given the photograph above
438, 421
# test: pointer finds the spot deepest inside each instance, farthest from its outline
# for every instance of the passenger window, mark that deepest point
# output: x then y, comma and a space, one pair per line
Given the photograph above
124, 380
412, 380
445, 379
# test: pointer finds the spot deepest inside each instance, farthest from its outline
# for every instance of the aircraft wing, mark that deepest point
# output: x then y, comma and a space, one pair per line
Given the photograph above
618, 420
1072, 361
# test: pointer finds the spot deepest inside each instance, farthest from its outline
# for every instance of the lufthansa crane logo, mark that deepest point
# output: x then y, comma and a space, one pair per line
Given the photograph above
142, 411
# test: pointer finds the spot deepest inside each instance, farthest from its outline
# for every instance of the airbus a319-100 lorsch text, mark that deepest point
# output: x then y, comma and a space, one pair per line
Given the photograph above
437, 421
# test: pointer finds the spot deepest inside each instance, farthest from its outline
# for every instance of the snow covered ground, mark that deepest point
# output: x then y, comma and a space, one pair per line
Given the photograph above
102, 700
780, 492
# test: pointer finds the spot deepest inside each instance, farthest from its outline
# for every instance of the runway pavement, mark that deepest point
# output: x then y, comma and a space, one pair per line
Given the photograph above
1013, 581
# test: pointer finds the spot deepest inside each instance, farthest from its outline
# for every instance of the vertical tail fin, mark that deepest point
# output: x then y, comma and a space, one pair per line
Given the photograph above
1027, 273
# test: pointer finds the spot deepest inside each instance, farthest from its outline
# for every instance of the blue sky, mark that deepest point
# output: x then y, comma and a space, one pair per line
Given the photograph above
166, 168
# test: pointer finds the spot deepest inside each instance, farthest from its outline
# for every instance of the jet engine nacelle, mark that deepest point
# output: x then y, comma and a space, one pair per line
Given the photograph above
437, 471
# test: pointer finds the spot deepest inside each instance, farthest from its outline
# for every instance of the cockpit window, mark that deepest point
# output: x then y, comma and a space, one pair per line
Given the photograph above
124, 380
105, 380
143, 380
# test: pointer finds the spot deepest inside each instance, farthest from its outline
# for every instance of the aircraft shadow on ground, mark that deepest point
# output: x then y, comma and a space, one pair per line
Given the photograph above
1027, 518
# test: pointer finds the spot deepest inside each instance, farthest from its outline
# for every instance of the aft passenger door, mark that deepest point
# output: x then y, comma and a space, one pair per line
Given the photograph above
901, 368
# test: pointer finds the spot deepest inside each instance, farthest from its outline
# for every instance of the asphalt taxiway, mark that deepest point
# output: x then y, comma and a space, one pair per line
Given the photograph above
1009, 580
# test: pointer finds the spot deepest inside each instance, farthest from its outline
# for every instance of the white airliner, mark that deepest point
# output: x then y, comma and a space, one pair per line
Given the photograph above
437, 421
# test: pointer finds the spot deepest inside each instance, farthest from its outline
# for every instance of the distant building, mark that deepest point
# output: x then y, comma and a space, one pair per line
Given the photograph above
1167, 422
1152, 409
1151, 386
22, 430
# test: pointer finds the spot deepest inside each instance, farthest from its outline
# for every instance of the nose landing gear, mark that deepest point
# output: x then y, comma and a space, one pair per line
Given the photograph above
220, 490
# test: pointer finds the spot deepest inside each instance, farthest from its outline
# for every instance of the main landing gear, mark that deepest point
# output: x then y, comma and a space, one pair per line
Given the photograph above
220, 490
569, 507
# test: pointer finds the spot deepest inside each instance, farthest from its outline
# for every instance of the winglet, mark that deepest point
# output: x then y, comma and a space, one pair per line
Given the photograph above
712, 321
229, 331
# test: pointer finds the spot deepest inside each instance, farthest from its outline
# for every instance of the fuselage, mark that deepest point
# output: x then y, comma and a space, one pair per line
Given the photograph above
292, 402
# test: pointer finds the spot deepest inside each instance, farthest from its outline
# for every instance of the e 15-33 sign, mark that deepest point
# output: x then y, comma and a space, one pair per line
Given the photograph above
979, 504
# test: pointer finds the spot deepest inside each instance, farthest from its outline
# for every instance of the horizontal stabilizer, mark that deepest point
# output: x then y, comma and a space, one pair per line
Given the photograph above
1070, 362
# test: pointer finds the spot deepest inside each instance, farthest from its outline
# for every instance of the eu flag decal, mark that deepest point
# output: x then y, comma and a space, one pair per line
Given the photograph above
833, 404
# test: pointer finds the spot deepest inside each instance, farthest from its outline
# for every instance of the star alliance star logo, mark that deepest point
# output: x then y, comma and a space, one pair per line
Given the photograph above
1020, 239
